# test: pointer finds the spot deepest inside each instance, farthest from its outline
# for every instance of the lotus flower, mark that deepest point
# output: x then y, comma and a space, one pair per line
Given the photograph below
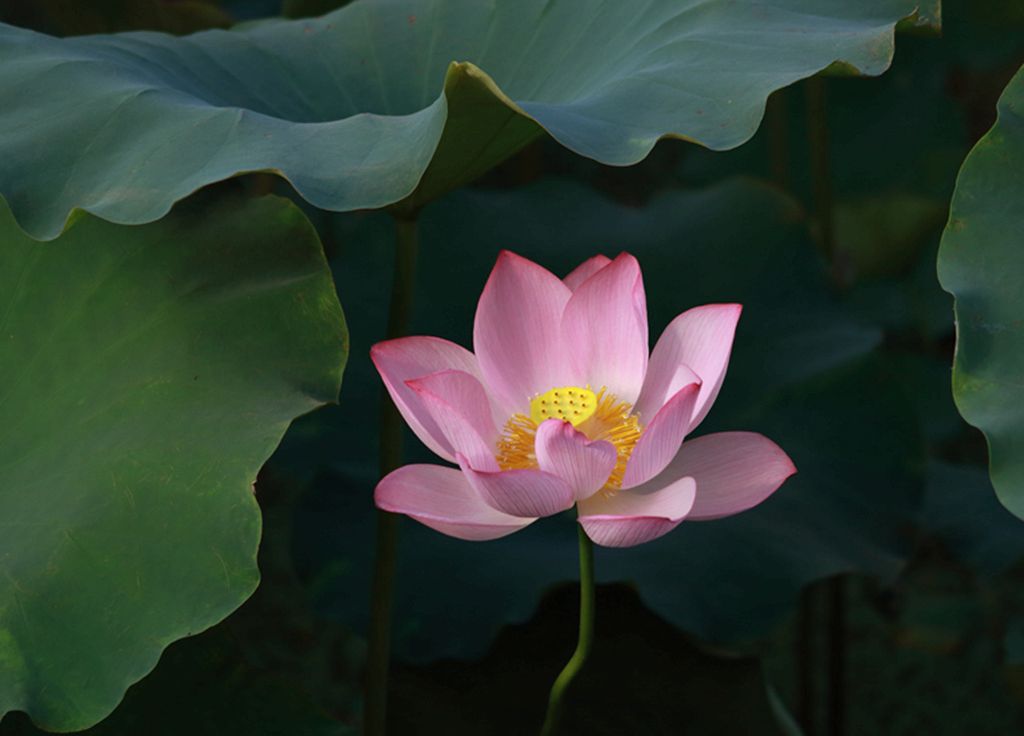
561, 405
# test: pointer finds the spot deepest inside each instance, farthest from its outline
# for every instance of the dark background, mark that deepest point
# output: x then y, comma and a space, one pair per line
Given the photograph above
825, 226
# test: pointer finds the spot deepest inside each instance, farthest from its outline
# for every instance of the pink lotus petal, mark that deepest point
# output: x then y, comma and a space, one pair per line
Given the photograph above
412, 357
566, 452
735, 471
585, 270
517, 333
682, 377
469, 431
443, 499
635, 516
662, 437
465, 393
700, 339
526, 493
605, 322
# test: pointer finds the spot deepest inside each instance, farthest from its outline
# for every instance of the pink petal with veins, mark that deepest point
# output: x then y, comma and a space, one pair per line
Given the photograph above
566, 452
699, 339
443, 499
406, 358
605, 326
636, 516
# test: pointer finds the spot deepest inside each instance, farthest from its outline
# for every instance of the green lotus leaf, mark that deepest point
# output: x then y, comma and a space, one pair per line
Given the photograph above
804, 371
146, 374
398, 101
980, 263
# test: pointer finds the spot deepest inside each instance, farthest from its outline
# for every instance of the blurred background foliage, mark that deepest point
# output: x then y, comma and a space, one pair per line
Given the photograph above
825, 226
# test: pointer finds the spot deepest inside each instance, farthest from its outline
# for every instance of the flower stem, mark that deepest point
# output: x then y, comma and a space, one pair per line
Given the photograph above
379, 643
586, 636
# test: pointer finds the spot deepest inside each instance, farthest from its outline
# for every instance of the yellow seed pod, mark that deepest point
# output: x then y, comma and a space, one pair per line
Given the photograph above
571, 403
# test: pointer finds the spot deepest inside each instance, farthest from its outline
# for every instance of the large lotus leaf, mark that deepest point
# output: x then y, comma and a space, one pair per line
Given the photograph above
981, 264
801, 373
272, 668
389, 100
146, 375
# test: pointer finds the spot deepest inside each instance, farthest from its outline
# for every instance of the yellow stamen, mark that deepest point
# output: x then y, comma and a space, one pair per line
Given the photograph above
571, 403
601, 417
515, 448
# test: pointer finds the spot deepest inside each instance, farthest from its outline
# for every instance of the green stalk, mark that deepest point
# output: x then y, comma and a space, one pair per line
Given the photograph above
379, 644
821, 175
586, 637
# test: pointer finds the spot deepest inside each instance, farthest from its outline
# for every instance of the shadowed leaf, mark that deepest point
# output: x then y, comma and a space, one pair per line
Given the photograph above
980, 263
146, 374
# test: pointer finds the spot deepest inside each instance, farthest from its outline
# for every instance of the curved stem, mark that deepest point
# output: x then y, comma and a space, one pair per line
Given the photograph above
379, 639
586, 636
